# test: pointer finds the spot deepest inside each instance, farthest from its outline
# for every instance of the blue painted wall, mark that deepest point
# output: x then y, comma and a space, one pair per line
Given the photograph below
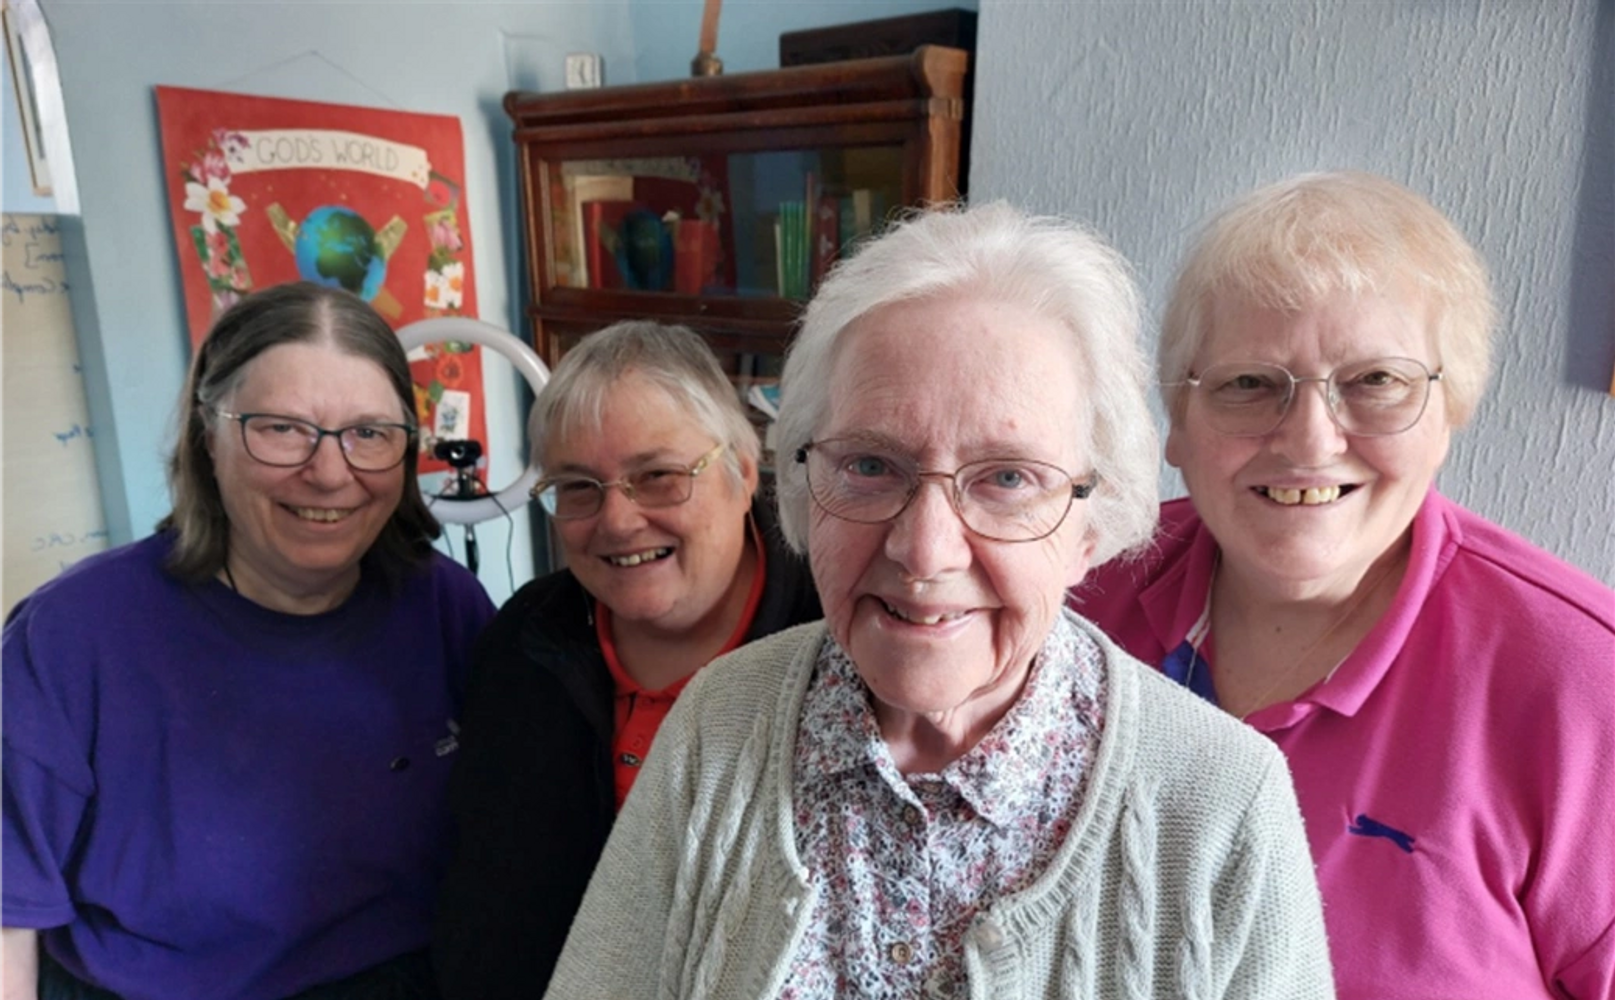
433, 57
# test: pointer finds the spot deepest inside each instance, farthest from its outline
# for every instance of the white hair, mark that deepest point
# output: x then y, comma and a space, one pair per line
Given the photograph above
1053, 266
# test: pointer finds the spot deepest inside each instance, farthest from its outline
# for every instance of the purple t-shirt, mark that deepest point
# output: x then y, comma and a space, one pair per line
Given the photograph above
205, 798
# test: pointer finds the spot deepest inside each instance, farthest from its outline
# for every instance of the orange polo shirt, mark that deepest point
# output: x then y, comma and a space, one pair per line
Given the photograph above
639, 713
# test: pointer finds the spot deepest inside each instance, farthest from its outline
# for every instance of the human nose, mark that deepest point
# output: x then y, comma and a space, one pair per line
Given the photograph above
1309, 433
618, 511
928, 538
328, 466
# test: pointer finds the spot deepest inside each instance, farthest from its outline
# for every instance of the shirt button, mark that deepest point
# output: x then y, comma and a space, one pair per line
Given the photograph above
989, 936
398, 763
902, 952
912, 816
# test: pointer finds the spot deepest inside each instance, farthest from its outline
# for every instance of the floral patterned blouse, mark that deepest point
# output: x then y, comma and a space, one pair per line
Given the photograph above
904, 864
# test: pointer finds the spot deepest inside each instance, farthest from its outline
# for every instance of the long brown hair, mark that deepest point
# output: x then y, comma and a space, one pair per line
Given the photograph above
299, 312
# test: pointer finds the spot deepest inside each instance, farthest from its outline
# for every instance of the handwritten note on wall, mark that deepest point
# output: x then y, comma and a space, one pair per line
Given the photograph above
52, 500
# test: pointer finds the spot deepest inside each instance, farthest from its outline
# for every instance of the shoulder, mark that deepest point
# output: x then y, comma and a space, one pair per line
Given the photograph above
1516, 572
1187, 752
554, 604
789, 596
732, 691
1119, 581
115, 582
455, 581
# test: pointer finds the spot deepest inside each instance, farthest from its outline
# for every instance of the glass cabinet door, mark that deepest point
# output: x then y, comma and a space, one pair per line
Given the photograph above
742, 224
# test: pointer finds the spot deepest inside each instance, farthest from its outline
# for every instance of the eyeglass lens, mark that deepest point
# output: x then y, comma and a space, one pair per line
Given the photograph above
1370, 398
574, 498
571, 497
285, 441
1009, 500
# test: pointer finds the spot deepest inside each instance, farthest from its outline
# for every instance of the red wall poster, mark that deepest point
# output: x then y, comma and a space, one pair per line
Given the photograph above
263, 191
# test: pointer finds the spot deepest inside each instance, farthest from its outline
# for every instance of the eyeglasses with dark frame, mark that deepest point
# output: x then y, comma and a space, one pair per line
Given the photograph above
1375, 398
285, 442
572, 498
999, 499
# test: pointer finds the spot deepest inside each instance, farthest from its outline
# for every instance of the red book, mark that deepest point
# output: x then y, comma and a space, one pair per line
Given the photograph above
602, 233
696, 251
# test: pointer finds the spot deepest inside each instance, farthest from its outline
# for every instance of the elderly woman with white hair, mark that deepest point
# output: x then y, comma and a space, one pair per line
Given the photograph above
650, 470
1442, 688
952, 786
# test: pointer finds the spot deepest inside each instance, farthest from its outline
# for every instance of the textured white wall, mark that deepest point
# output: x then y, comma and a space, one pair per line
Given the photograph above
1142, 117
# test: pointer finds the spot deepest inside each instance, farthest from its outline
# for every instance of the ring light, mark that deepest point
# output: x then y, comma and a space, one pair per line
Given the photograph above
457, 510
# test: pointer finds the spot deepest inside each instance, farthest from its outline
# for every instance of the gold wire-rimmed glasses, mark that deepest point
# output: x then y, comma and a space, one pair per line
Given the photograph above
1374, 398
571, 498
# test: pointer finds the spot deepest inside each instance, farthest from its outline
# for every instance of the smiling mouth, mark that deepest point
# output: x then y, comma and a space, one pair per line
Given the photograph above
1312, 496
324, 515
639, 558
922, 619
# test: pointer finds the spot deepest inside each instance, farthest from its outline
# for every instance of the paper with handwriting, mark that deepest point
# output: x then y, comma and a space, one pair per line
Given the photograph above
51, 514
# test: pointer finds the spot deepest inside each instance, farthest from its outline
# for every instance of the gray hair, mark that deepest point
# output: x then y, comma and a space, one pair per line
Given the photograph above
300, 312
1289, 245
1053, 266
675, 359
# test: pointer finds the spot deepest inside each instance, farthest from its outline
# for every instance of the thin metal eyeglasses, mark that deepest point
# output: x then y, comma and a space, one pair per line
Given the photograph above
1000, 499
572, 498
1374, 398
285, 442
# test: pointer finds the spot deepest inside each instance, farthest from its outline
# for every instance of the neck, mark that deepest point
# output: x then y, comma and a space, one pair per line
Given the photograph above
927, 742
311, 600
1272, 648
658, 657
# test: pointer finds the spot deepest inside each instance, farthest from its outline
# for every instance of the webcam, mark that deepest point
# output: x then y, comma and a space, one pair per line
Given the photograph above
459, 454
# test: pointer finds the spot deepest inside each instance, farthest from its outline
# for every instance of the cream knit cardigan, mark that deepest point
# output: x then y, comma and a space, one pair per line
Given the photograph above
1185, 876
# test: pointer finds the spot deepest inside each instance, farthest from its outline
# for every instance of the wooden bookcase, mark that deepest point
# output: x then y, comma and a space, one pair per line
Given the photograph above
768, 174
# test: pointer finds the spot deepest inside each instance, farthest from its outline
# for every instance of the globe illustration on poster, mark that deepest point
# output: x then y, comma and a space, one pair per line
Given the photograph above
335, 246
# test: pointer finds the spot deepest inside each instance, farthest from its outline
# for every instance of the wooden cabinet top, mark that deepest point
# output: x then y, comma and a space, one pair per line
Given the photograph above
931, 73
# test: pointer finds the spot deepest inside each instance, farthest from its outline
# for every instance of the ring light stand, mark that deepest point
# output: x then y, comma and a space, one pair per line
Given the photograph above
457, 507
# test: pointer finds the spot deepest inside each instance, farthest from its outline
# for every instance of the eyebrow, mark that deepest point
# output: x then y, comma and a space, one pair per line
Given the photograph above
988, 451
353, 422
634, 461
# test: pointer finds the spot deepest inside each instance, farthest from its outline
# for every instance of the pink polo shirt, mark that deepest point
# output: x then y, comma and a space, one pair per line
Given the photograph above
1456, 772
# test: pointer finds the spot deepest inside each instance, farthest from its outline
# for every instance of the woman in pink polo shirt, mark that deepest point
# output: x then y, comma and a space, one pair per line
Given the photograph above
1443, 690
650, 470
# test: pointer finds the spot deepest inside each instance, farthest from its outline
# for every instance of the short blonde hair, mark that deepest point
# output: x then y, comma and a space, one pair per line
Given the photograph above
1289, 245
673, 358
1050, 265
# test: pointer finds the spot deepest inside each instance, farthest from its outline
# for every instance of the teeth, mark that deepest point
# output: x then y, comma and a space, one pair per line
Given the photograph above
327, 514
639, 557
1312, 496
923, 620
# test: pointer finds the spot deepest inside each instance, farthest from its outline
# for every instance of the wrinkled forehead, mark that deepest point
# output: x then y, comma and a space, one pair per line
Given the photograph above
958, 380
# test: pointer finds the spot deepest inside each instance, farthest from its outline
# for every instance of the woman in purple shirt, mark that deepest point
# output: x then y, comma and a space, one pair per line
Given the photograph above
226, 745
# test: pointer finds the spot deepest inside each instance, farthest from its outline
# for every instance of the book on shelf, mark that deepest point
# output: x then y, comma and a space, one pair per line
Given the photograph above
791, 250
580, 189
697, 255
826, 237
603, 240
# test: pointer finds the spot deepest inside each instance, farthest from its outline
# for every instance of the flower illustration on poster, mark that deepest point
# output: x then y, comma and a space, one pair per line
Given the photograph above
266, 191
218, 213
